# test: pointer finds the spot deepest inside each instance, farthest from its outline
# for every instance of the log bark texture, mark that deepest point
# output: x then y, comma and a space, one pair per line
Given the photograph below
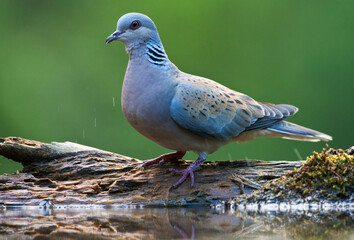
70, 173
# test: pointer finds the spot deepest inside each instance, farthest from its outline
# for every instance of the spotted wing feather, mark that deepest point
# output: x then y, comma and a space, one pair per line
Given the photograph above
211, 110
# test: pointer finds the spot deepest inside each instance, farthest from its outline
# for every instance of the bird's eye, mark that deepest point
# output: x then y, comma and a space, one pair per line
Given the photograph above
135, 25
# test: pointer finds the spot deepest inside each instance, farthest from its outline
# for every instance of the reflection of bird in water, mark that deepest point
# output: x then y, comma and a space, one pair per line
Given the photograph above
183, 234
184, 112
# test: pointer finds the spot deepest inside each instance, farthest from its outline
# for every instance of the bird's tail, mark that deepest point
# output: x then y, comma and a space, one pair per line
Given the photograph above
293, 131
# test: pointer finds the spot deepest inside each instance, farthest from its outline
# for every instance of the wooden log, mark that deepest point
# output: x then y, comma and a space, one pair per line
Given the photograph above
68, 173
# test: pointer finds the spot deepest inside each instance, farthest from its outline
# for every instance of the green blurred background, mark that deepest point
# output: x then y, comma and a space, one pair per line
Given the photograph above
60, 82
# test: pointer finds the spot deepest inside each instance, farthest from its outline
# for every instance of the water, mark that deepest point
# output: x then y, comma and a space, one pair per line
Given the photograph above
119, 222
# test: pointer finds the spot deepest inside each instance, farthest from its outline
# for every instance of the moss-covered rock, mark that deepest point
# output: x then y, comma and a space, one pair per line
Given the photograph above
323, 176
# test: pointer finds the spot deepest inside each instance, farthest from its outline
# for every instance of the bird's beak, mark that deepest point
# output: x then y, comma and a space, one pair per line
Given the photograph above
114, 36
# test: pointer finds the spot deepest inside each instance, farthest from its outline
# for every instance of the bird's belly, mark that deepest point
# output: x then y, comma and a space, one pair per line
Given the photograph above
156, 124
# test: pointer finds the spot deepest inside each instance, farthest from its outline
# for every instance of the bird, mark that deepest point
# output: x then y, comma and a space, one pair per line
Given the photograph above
184, 112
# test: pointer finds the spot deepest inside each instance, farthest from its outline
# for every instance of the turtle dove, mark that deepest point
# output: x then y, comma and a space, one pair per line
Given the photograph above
184, 112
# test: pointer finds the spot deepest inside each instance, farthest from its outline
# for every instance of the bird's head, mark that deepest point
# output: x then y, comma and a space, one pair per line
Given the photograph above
134, 29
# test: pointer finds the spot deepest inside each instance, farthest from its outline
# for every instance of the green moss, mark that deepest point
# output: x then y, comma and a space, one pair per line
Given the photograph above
326, 175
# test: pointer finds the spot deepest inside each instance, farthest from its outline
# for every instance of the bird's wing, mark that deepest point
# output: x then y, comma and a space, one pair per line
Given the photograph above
211, 110
272, 114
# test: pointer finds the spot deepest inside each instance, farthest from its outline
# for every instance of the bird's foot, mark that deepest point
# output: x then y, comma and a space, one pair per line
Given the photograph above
170, 157
189, 171
185, 172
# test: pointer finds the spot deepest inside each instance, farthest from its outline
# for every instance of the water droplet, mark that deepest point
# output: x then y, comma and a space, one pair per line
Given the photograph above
95, 122
298, 154
114, 102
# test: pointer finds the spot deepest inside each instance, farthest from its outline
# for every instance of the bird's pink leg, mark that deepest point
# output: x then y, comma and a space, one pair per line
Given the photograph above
189, 170
169, 157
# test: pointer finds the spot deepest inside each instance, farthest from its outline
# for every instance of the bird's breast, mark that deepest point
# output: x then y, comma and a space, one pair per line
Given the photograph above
146, 97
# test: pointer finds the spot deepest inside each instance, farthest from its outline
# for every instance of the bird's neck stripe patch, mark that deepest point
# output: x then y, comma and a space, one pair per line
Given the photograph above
156, 54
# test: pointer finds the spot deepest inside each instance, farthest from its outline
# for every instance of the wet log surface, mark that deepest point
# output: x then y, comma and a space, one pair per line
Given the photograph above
69, 173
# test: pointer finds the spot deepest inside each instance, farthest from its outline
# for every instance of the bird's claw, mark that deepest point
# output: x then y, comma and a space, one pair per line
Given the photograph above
151, 162
185, 172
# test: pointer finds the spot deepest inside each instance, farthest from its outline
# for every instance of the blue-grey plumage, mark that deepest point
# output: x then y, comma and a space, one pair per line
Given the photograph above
184, 112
